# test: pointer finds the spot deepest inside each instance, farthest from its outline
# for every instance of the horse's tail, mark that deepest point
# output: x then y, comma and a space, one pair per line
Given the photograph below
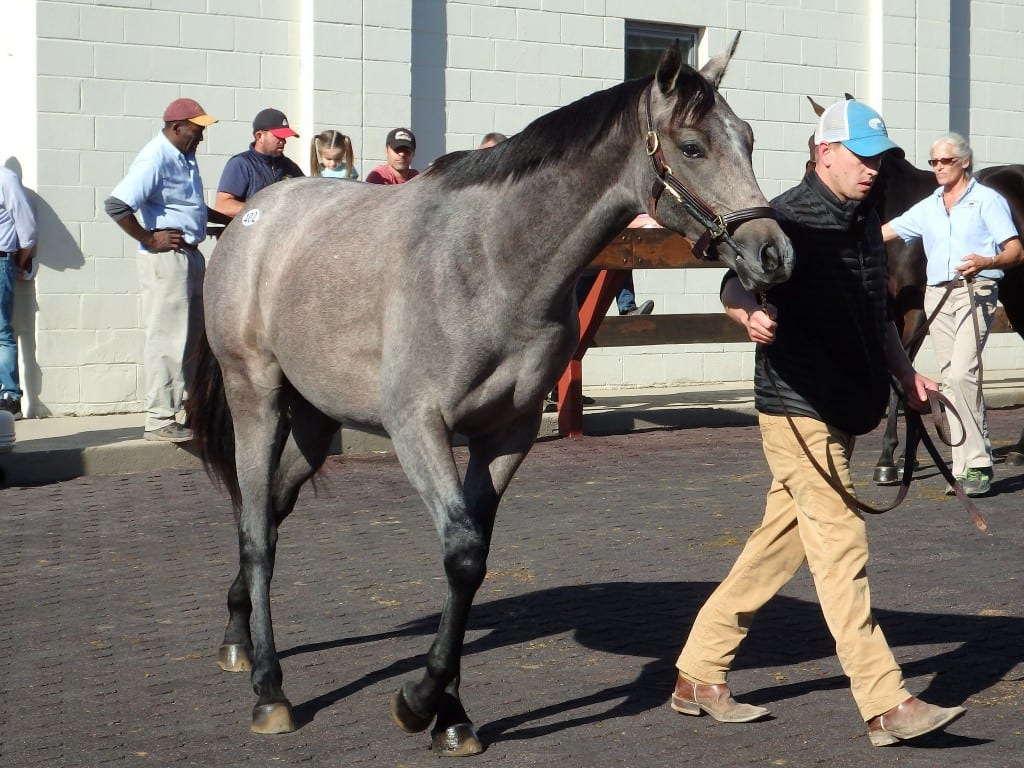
209, 418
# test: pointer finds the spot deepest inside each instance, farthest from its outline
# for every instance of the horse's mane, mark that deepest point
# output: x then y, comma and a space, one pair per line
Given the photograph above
566, 135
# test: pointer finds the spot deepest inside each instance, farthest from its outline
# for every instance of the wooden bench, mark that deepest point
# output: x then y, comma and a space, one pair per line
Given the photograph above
646, 249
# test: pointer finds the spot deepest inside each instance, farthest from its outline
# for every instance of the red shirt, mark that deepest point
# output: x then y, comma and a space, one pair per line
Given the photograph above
385, 174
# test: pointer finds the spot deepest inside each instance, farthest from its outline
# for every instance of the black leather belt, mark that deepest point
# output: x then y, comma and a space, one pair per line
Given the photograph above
6, 254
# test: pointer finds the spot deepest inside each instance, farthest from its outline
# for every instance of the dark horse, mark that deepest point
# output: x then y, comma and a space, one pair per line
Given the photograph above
439, 306
899, 186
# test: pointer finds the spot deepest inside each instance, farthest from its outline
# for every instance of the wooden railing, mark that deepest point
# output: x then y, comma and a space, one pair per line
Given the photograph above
645, 249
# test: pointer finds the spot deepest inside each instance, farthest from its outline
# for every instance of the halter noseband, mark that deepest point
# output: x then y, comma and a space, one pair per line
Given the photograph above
716, 226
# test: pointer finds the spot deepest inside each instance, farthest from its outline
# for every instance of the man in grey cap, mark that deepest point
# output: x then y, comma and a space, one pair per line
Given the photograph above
263, 164
400, 147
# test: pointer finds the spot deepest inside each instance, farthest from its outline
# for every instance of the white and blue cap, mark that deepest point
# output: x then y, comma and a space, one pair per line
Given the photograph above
857, 127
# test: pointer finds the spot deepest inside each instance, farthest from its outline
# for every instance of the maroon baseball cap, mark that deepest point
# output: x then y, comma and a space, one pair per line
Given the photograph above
187, 109
273, 120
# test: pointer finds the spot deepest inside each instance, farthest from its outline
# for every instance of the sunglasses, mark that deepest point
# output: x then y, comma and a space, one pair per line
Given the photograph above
942, 161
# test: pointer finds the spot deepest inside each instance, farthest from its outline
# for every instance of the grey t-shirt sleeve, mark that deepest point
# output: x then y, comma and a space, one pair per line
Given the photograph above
117, 209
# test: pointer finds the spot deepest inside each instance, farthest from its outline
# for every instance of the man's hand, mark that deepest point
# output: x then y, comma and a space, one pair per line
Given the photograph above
743, 307
971, 264
915, 390
761, 324
162, 240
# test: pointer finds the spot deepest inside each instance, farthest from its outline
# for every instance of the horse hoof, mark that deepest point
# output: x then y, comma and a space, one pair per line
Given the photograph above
404, 717
233, 657
272, 718
457, 741
1015, 458
886, 475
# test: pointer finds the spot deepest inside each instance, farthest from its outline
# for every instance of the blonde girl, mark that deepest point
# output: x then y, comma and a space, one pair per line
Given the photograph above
330, 154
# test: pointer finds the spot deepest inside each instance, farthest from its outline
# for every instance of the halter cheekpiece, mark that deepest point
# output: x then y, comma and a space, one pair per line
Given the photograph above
717, 226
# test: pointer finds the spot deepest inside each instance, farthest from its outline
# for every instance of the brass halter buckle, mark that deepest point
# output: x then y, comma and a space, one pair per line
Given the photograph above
652, 143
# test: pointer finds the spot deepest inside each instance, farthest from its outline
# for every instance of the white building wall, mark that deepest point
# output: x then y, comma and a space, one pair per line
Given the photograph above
452, 70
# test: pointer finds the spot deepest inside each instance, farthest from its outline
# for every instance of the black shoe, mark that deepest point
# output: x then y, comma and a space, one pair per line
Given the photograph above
12, 405
551, 403
644, 309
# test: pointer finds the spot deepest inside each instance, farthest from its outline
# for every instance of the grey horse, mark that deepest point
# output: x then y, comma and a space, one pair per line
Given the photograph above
443, 305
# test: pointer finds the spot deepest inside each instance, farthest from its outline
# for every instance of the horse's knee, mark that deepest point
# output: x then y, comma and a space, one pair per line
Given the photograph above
465, 562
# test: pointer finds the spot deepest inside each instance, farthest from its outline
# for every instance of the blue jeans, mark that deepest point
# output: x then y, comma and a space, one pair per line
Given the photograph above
624, 301
9, 386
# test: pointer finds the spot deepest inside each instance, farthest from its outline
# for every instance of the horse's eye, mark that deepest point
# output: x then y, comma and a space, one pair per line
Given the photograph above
691, 150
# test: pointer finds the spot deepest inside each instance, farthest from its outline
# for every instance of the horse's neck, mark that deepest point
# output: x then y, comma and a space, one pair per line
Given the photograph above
575, 213
907, 186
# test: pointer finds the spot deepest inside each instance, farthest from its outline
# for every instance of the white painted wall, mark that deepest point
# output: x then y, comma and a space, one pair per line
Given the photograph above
96, 77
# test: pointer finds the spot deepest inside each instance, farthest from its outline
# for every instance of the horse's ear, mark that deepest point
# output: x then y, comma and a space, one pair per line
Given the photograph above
818, 109
714, 70
668, 68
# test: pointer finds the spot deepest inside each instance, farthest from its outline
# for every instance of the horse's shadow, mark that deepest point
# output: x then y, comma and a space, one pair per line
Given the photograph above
650, 620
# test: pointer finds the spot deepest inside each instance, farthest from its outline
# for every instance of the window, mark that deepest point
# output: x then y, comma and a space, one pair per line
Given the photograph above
646, 42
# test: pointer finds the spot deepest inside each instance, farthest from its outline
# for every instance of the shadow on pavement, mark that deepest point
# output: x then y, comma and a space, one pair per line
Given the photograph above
651, 620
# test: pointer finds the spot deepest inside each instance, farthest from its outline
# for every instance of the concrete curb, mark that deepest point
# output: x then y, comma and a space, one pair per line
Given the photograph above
56, 449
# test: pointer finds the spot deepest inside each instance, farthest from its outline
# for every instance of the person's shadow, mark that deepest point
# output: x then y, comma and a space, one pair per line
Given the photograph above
651, 620
57, 251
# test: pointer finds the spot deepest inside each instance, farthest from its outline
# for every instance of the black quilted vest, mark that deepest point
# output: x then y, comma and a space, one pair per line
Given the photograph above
828, 358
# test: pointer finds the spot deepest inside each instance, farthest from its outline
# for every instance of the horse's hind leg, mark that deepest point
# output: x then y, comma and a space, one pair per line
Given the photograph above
885, 468
305, 449
253, 389
465, 520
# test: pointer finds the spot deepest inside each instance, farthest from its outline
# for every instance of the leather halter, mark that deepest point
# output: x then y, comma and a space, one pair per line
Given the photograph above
717, 227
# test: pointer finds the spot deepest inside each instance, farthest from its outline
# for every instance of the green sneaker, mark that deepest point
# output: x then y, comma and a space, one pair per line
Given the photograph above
977, 481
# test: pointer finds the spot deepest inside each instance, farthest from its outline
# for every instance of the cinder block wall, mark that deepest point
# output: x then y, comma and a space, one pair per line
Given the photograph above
452, 71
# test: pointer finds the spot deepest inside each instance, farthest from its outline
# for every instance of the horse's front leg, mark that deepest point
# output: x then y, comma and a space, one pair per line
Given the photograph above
465, 521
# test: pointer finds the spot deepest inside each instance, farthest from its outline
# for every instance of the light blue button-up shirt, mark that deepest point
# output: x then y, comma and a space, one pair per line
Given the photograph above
979, 222
17, 222
164, 186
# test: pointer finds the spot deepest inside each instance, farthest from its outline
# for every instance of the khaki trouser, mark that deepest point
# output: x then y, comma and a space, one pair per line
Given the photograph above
804, 519
171, 284
956, 352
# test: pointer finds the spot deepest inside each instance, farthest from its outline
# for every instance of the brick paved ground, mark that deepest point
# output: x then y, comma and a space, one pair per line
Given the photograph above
112, 593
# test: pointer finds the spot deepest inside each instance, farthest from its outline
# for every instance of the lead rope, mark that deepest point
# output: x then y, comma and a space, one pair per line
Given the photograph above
916, 433
980, 398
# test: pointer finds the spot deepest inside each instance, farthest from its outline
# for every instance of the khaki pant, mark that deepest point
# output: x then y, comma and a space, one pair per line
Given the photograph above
804, 519
956, 353
172, 314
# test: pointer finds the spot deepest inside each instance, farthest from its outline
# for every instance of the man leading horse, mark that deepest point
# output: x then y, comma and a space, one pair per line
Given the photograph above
825, 350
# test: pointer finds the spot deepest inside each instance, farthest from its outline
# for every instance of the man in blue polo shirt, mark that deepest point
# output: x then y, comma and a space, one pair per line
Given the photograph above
17, 239
164, 186
261, 165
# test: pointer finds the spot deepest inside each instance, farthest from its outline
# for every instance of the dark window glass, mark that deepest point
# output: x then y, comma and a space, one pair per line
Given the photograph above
646, 42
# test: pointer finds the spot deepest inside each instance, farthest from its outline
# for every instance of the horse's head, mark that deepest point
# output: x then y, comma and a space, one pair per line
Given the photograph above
705, 187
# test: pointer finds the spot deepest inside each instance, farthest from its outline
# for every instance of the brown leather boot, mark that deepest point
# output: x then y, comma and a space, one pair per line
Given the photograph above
692, 698
909, 720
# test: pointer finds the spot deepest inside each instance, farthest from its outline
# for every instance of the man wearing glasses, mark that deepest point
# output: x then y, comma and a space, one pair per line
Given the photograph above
969, 239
